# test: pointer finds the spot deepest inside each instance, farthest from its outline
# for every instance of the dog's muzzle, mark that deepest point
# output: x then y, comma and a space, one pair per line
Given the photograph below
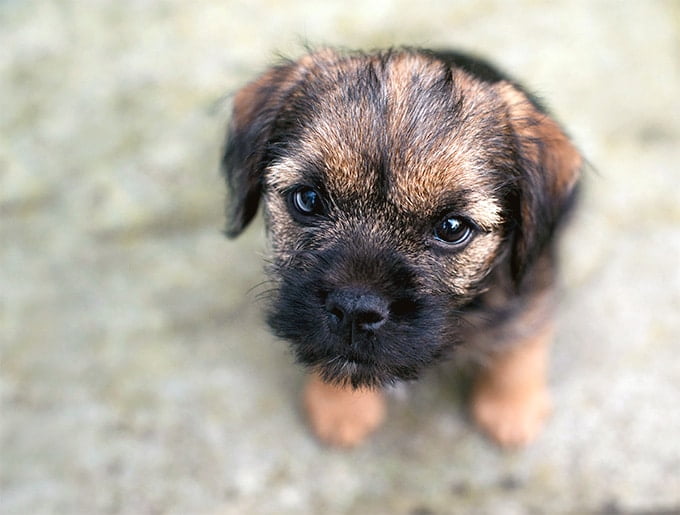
353, 313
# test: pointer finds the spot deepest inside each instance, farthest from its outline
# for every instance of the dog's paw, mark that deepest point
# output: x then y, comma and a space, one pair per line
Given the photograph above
342, 417
511, 420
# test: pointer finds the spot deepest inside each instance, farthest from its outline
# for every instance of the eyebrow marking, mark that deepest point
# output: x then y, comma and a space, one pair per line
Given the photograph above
483, 210
287, 173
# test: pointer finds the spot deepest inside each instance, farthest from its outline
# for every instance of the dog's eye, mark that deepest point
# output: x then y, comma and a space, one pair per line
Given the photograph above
306, 201
453, 230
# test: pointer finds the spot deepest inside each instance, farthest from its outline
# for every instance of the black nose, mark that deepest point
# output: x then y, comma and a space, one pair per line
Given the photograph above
353, 309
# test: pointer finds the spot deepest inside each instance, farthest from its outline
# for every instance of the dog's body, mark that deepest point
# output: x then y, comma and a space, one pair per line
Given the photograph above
412, 199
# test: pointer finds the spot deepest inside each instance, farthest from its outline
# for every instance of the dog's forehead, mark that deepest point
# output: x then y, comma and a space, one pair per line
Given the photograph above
409, 131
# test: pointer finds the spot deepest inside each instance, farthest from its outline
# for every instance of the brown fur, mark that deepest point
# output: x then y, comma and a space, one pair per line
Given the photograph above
342, 416
511, 399
393, 143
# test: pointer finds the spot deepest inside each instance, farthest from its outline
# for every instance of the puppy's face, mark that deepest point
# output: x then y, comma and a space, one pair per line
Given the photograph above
394, 186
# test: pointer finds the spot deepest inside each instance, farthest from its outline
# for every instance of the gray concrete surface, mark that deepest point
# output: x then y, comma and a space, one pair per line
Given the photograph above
136, 375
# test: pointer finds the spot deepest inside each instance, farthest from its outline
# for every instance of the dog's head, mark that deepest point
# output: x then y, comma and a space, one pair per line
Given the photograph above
394, 185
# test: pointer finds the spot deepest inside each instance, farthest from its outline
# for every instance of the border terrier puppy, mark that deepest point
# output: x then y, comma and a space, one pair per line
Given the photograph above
412, 199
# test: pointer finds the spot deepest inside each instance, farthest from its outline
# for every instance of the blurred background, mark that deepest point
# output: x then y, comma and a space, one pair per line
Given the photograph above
136, 375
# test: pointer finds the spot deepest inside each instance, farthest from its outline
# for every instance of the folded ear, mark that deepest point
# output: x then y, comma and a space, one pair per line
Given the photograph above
549, 166
255, 110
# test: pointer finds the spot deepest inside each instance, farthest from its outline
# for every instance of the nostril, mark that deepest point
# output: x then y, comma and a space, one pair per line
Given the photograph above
370, 320
337, 313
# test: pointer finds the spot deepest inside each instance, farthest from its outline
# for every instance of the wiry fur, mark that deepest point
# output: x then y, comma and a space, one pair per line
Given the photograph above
393, 141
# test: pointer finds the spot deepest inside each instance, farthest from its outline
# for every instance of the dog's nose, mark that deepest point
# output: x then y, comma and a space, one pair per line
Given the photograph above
356, 309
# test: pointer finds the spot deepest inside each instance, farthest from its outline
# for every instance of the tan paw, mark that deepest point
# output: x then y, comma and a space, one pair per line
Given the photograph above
342, 417
512, 421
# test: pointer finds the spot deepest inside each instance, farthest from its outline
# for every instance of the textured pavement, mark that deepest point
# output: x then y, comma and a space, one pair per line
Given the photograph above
136, 375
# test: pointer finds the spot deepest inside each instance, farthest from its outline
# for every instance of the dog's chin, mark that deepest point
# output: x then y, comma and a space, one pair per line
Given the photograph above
346, 367
345, 371
348, 372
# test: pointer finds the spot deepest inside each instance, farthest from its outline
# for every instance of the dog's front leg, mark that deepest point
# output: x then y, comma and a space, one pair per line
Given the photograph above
510, 398
340, 415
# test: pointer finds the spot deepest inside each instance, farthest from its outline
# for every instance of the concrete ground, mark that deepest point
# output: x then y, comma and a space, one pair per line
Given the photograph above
136, 375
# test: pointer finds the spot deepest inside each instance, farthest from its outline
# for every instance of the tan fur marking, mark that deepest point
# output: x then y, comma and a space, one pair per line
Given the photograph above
283, 175
249, 99
563, 160
342, 416
511, 400
245, 99
484, 210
